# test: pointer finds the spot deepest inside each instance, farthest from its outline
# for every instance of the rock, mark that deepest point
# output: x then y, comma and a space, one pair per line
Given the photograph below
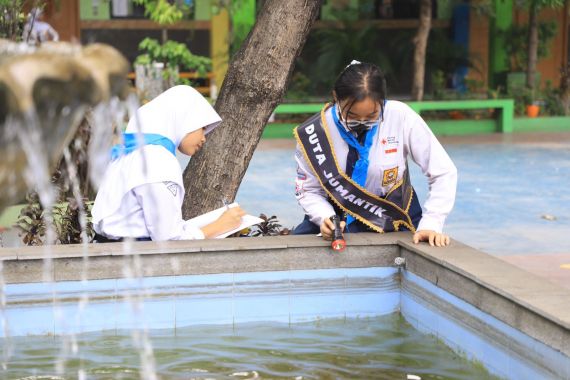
47, 91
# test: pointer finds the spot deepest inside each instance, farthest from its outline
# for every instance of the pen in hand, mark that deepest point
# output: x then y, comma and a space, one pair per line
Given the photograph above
231, 215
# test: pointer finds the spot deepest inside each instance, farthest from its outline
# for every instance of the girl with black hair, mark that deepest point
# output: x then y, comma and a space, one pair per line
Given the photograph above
352, 161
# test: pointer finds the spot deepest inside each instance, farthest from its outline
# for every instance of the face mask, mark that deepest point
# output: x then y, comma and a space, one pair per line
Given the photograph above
355, 125
359, 128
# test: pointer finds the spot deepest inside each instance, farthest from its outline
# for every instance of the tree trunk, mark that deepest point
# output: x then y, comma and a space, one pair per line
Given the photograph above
565, 88
164, 35
254, 85
532, 45
420, 42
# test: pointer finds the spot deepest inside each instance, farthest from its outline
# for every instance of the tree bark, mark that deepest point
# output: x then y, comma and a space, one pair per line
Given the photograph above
420, 42
254, 85
565, 88
532, 45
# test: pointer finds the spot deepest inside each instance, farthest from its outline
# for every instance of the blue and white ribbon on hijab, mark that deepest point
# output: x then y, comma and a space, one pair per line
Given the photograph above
133, 141
360, 171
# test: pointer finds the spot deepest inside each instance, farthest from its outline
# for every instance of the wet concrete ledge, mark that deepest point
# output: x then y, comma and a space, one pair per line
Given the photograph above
522, 300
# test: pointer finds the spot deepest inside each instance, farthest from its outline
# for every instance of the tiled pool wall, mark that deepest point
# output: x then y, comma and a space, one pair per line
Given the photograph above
446, 293
181, 301
503, 350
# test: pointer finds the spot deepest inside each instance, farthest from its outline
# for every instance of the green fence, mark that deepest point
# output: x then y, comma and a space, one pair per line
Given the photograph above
503, 122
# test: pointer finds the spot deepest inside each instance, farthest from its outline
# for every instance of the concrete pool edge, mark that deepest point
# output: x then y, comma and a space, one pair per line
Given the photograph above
519, 299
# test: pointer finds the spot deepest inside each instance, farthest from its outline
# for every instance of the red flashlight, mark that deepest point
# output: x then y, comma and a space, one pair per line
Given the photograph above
338, 244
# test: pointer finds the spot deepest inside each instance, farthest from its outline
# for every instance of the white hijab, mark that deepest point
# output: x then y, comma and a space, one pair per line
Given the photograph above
173, 114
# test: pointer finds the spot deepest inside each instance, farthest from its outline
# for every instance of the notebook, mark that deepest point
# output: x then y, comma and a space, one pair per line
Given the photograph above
212, 216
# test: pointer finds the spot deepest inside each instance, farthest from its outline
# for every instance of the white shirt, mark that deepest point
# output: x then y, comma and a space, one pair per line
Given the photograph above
150, 210
141, 193
402, 134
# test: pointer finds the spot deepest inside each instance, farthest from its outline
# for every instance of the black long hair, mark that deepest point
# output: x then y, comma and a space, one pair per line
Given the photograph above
359, 81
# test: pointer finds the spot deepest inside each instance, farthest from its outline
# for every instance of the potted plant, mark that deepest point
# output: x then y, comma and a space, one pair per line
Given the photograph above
157, 69
532, 110
532, 102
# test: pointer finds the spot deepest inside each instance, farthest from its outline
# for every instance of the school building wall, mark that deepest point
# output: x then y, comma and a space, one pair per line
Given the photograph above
549, 67
90, 21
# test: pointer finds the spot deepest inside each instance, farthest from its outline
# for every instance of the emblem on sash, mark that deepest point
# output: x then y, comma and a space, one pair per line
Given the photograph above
390, 176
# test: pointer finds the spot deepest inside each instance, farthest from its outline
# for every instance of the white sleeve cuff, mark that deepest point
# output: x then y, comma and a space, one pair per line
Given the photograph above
318, 220
430, 224
192, 232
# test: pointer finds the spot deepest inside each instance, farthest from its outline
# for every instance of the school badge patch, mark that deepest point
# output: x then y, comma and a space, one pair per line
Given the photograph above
390, 176
173, 187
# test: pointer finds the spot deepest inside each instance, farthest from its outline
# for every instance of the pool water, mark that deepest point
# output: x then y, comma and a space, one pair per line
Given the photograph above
504, 193
384, 347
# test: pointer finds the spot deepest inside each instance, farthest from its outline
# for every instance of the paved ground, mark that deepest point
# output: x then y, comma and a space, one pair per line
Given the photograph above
550, 139
553, 266
520, 232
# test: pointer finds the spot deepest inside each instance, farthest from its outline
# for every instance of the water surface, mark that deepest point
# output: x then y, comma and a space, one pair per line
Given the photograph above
384, 347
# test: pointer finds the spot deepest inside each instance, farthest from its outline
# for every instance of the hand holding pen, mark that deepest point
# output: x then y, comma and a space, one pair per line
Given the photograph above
231, 218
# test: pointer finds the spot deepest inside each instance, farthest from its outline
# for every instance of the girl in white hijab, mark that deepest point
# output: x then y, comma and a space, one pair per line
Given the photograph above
142, 191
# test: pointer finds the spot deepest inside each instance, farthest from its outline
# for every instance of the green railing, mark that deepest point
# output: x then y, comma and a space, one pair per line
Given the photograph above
503, 124
505, 106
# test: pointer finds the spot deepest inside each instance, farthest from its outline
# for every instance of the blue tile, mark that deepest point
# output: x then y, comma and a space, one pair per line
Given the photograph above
273, 276
152, 314
35, 320
421, 317
371, 303
380, 272
205, 279
266, 308
309, 307
14, 290
159, 282
85, 286
312, 274
146, 282
94, 316
192, 311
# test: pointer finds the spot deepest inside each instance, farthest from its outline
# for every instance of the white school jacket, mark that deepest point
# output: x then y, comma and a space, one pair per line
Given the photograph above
150, 210
151, 201
401, 134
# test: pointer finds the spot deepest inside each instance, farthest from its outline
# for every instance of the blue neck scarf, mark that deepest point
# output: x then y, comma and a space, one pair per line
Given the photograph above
131, 143
361, 167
